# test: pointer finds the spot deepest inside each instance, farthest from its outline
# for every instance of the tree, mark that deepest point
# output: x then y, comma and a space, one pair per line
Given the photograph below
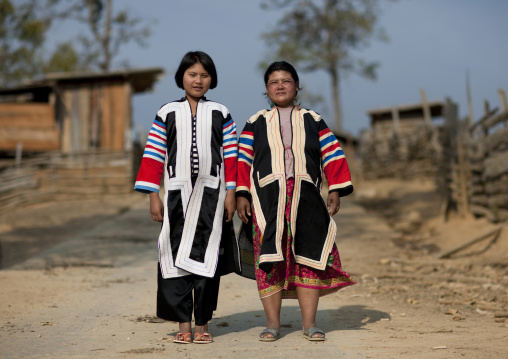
109, 31
323, 35
21, 38
25, 26
65, 58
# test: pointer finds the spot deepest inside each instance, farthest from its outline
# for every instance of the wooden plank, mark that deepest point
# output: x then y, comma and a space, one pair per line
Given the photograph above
498, 139
496, 164
463, 178
120, 116
426, 108
478, 188
476, 179
84, 116
482, 211
129, 125
470, 113
479, 200
66, 144
485, 117
476, 167
95, 111
117, 113
75, 120
21, 182
502, 99
32, 140
499, 215
494, 120
498, 186
395, 121
106, 130
500, 200
63, 176
26, 115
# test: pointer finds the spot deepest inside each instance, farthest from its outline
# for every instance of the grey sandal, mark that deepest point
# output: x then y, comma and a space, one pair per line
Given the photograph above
272, 331
308, 334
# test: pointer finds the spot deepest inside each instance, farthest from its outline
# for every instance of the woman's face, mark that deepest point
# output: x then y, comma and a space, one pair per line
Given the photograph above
196, 81
281, 88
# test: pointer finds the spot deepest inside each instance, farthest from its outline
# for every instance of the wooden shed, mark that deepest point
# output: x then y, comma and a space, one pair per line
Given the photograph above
408, 140
72, 112
404, 119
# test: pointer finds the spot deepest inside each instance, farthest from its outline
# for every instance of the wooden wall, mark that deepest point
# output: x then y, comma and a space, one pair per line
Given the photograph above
32, 124
95, 116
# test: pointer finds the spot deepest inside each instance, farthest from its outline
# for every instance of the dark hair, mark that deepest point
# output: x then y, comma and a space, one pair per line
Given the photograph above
192, 58
281, 66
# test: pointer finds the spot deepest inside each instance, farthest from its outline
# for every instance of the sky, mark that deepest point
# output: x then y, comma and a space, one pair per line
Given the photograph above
432, 45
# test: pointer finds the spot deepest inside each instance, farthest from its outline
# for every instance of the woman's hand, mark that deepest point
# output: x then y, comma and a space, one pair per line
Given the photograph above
333, 203
156, 207
229, 205
243, 207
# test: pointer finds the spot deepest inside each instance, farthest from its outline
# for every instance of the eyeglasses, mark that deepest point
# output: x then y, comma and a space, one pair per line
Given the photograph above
285, 83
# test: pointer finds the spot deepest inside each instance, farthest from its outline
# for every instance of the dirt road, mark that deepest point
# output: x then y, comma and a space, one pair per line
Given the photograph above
93, 295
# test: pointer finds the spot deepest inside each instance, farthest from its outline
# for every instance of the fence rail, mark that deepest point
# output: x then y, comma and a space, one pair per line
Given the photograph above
488, 164
57, 176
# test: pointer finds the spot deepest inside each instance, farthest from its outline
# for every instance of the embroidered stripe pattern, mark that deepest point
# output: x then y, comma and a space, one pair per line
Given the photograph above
152, 165
333, 161
230, 146
194, 150
330, 148
245, 158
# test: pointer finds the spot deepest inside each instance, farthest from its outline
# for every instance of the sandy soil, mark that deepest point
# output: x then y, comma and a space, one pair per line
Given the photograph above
78, 281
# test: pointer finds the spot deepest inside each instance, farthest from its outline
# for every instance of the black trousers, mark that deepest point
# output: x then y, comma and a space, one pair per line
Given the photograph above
175, 301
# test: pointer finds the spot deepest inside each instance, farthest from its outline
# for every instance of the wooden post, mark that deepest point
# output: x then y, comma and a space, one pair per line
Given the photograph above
128, 117
451, 113
470, 117
75, 126
463, 178
66, 145
502, 99
395, 120
426, 108
486, 107
19, 153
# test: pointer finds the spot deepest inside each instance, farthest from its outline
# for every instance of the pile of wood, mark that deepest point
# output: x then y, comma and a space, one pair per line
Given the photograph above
57, 176
488, 163
405, 156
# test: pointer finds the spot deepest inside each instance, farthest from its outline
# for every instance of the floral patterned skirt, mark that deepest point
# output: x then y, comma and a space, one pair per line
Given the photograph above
285, 276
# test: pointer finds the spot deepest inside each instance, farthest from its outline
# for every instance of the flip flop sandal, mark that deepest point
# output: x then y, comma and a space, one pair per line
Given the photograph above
272, 331
204, 335
308, 334
184, 341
